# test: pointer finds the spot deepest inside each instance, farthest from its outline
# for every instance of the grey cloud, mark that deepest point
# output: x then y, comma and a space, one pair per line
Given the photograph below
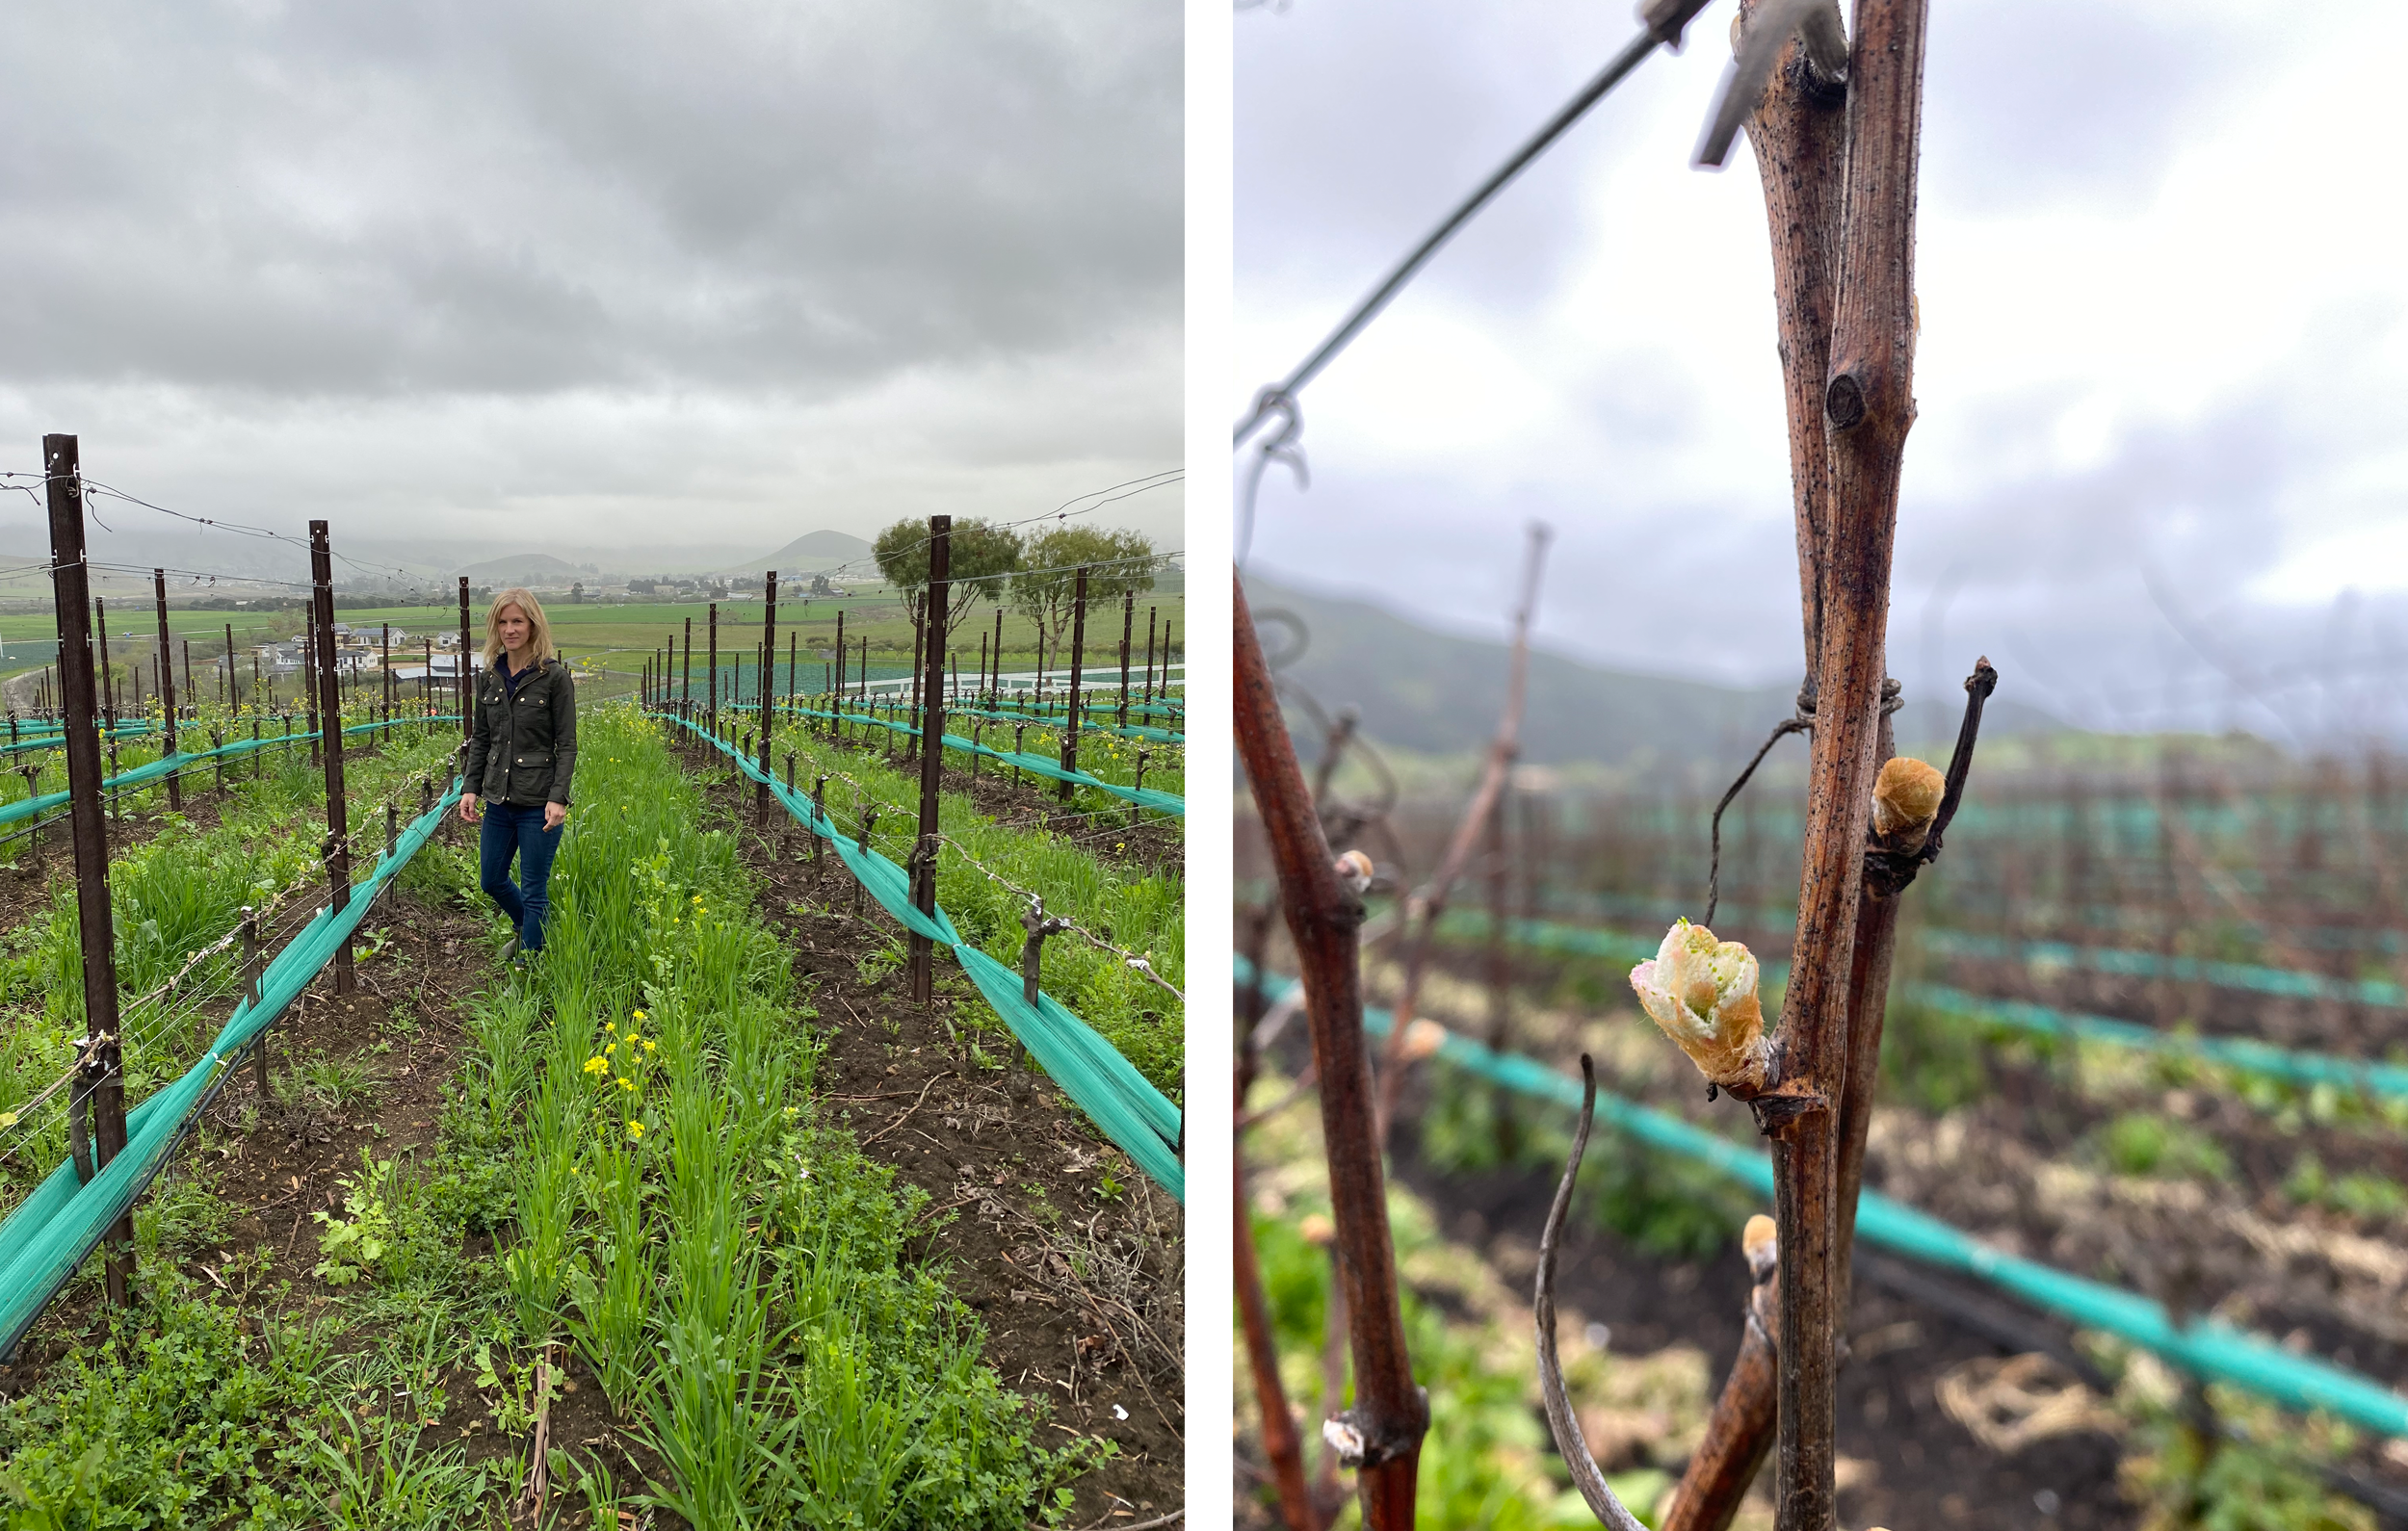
528, 197
1356, 124
2036, 102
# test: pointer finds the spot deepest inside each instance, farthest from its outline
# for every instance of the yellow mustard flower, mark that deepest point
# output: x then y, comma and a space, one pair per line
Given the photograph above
626, 1084
634, 1131
641, 1016
649, 1046
598, 1066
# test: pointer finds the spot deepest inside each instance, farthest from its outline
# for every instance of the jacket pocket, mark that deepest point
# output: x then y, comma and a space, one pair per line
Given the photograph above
531, 773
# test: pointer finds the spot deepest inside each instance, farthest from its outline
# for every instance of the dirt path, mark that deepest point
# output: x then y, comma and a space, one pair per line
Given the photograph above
1079, 1282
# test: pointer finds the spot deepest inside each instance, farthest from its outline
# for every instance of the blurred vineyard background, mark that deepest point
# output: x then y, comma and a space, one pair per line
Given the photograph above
2067, 1076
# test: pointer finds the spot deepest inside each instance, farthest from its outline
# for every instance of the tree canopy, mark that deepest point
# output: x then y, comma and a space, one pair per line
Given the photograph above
979, 561
1117, 562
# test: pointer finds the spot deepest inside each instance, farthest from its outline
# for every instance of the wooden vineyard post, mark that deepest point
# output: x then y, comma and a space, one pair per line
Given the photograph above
1149, 696
34, 867
919, 651
467, 691
1127, 623
931, 757
108, 671
189, 693
685, 676
1500, 972
785, 822
388, 663
233, 682
166, 687
710, 681
330, 709
836, 693
1078, 654
1381, 1436
819, 812
104, 1060
764, 688
995, 686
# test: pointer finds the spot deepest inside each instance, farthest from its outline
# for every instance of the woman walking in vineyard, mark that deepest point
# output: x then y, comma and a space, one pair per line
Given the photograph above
522, 749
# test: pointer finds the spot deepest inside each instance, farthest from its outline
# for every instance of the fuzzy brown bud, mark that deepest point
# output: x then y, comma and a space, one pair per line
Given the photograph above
1905, 799
1762, 1242
1354, 869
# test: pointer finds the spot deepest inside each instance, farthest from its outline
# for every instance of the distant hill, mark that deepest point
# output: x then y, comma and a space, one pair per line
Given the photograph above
815, 552
1437, 693
527, 568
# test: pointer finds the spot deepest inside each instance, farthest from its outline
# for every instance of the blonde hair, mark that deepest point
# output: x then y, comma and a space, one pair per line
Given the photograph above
540, 641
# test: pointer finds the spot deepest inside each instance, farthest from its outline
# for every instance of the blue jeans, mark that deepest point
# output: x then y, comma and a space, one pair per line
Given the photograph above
507, 831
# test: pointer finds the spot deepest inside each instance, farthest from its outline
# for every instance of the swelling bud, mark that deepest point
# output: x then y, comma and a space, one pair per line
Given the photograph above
1701, 993
1905, 799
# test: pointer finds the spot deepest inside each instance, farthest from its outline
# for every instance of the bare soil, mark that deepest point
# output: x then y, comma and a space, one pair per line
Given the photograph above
1125, 834
1079, 1285
1910, 1327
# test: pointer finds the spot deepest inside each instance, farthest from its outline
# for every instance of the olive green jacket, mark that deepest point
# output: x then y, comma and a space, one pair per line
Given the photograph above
523, 749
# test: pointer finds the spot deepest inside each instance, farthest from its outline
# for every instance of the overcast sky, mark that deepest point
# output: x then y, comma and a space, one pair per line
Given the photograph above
2164, 343
539, 274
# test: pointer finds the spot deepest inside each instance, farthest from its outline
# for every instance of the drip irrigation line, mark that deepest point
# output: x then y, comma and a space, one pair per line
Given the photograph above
2289, 982
2203, 1346
1090, 1070
52, 1231
1130, 959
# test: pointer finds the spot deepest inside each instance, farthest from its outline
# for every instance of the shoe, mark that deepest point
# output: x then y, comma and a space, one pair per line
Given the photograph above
510, 953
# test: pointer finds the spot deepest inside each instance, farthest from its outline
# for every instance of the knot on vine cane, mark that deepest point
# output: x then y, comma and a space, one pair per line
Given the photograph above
1035, 921
1362, 1439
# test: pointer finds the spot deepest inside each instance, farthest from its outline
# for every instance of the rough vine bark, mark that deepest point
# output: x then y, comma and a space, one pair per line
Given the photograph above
1866, 409
1381, 1435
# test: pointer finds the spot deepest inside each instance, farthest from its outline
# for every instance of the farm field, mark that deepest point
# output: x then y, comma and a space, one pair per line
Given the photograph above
2187, 899
698, 1212
609, 641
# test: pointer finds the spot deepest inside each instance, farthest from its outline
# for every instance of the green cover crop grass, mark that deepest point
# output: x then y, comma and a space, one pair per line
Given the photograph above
731, 1270
1141, 913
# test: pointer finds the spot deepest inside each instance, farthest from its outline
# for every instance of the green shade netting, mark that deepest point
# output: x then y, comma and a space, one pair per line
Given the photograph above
2247, 1053
53, 1230
167, 764
1161, 736
1035, 764
1108, 1087
2205, 1346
